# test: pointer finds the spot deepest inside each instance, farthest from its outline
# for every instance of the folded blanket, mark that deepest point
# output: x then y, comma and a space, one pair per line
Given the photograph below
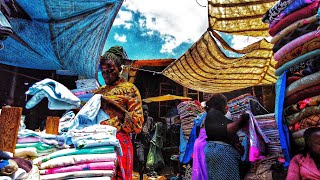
32, 152
305, 68
77, 159
273, 12
292, 79
295, 34
94, 178
302, 13
304, 113
84, 143
296, 43
297, 107
77, 174
68, 152
294, 6
301, 95
28, 140
80, 167
303, 83
300, 50
298, 134
311, 121
292, 27
39, 145
299, 59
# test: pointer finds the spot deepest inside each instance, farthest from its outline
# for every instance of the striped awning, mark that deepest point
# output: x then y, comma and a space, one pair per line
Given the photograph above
206, 68
241, 17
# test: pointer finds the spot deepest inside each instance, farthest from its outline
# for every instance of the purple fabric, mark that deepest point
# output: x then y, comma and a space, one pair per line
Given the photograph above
257, 140
199, 167
28, 140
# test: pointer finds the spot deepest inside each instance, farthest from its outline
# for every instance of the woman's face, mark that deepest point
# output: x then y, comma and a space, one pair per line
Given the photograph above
110, 72
315, 143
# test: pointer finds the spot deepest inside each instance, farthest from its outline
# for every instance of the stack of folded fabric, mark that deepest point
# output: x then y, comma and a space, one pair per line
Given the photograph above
294, 26
188, 111
93, 156
268, 125
16, 168
31, 144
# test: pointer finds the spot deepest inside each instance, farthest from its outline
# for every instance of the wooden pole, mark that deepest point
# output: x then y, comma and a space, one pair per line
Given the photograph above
52, 125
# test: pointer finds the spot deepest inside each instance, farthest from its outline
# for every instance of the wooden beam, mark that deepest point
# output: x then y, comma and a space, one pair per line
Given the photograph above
52, 125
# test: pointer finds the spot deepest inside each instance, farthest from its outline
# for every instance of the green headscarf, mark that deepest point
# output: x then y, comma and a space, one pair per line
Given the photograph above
117, 54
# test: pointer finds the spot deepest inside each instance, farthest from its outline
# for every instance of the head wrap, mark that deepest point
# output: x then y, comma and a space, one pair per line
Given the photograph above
116, 54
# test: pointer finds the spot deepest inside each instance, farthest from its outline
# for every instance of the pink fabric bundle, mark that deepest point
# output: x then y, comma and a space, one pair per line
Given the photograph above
295, 43
80, 167
302, 13
28, 140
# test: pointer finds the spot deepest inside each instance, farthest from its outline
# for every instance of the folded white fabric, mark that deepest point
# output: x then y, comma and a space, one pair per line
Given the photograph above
78, 174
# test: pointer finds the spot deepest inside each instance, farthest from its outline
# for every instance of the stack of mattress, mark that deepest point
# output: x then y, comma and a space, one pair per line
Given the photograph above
294, 26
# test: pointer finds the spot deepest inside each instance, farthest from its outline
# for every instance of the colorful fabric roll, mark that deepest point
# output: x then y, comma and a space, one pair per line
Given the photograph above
311, 121
292, 79
302, 13
303, 83
304, 113
297, 107
294, 6
301, 59
295, 34
77, 174
301, 95
300, 50
306, 68
80, 167
292, 27
273, 12
78, 159
288, 48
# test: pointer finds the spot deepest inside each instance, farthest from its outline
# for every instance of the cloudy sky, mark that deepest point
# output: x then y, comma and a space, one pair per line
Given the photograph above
153, 29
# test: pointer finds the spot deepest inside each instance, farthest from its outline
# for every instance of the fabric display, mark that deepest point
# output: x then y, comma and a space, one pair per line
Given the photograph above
188, 111
268, 125
93, 156
296, 41
85, 89
59, 97
16, 168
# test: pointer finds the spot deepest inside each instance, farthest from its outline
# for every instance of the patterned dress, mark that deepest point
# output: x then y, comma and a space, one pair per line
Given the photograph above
127, 96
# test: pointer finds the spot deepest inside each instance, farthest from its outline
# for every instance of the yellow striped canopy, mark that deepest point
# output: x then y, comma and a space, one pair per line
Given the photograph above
204, 67
241, 17
167, 97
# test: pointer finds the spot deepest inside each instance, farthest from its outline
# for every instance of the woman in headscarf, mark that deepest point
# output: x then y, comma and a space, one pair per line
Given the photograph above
307, 164
222, 150
122, 102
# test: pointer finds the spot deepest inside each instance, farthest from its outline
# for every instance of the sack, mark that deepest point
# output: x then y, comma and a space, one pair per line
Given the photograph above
5, 27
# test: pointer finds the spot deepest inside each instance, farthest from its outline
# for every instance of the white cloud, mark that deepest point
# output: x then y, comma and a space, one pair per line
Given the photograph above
239, 42
120, 38
177, 21
123, 18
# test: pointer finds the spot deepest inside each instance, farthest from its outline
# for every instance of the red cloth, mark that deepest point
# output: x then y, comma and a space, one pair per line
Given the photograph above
125, 162
302, 168
301, 95
302, 13
292, 79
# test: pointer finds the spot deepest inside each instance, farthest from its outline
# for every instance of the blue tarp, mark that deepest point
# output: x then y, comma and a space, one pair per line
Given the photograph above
61, 35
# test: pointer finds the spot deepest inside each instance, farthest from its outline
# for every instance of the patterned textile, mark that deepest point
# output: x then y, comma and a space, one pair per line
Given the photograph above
80, 167
257, 140
289, 29
306, 68
155, 159
273, 12
222, 161
199, 167
297, 107
303, 167
294, 6
127, 96
309, 46
306, 112
125, 163
188, 173
295, 34
311, 121
303, 83
300, 66
303, 94
288, 48
302, 13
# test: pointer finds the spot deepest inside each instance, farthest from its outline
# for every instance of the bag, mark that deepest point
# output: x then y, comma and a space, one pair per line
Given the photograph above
5, 27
